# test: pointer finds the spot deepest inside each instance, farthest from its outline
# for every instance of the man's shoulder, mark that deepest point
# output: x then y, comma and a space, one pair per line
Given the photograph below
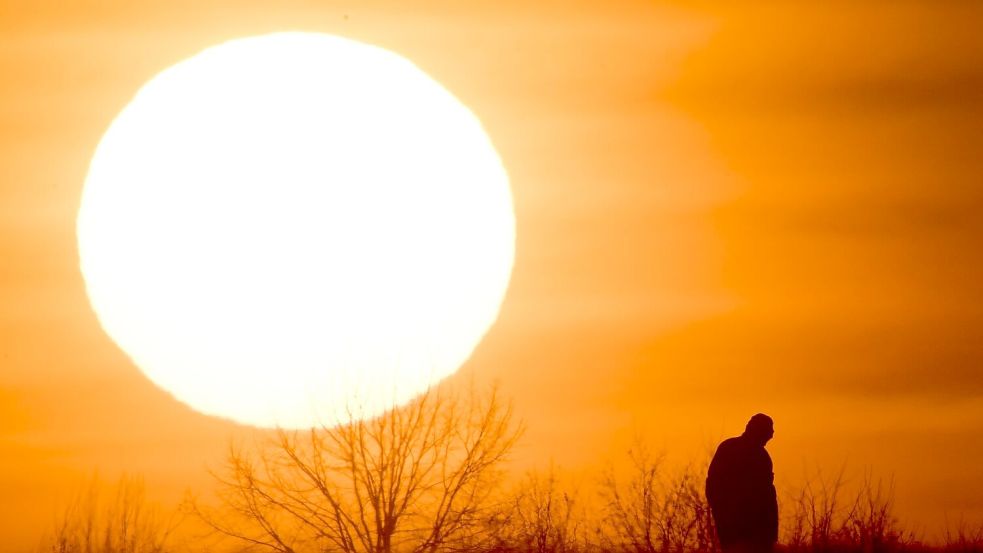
727, 447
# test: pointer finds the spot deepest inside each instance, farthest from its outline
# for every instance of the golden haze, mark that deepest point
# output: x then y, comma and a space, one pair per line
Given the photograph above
720, 210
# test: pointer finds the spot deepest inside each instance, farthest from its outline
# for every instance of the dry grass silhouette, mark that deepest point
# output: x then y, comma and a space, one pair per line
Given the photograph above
823, 518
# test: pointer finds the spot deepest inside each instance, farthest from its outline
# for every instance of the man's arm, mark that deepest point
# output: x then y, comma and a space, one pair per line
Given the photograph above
771, 507
713, 482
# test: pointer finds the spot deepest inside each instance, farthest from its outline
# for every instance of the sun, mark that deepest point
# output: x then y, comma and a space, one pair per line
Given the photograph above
288, 229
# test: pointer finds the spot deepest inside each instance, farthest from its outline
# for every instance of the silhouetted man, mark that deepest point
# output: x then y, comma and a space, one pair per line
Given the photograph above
741, 490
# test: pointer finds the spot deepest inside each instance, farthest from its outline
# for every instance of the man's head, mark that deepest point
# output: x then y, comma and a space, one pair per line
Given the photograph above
760, 429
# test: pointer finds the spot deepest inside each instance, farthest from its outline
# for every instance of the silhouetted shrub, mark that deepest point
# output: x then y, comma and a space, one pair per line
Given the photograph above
650, 510
964, 539
822, 518
543, 514
124, 522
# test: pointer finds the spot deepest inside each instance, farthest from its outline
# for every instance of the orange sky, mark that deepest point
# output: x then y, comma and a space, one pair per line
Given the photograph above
720, 210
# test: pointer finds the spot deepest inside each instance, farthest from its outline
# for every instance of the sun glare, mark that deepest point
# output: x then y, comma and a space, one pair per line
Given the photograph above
283, 228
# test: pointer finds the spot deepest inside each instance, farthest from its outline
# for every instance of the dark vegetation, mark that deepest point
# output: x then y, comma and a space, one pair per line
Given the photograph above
119, 521
430, 477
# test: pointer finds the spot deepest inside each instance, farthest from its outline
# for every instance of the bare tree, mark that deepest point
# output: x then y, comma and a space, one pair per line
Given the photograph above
415, 479
125, 523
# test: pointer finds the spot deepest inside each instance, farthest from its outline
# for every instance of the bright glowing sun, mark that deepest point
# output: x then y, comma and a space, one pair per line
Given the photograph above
283, 228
